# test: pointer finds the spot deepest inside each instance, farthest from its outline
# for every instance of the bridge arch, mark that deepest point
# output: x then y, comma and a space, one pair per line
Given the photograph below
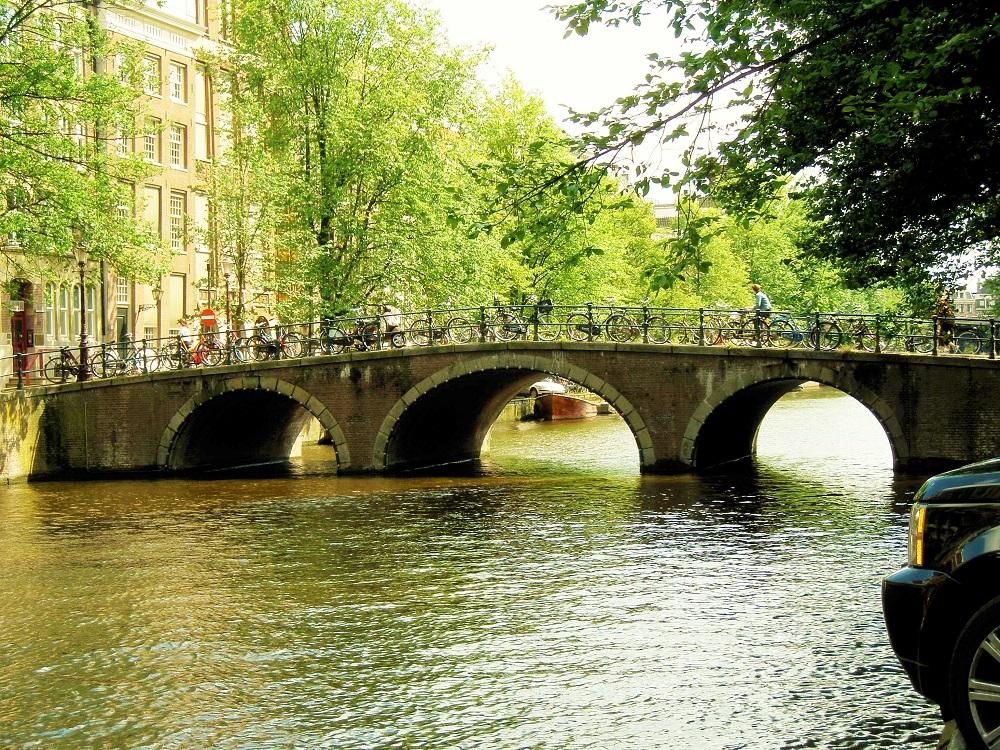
243, 420
724, 426
492, 380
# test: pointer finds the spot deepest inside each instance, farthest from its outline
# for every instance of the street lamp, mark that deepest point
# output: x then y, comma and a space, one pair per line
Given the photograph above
227, 267
80, 253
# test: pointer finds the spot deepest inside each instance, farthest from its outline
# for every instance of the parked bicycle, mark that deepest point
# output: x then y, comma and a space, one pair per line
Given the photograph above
277, 343
62, 367
180, 354
125, 358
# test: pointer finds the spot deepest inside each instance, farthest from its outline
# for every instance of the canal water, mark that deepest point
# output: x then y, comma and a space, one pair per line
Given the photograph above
554, 599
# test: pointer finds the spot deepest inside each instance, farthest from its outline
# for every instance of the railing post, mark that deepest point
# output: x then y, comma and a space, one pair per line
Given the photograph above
145, 364
701, 326
993, 338
645, 323
934, 335
535, 323
482, 323
590, 321
878, 333
757, 326
816, 341
19, 364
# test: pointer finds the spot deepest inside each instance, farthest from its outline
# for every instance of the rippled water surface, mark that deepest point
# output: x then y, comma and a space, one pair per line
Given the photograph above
558, 600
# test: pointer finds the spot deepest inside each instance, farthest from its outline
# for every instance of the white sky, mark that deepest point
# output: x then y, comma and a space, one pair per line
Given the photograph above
582, 72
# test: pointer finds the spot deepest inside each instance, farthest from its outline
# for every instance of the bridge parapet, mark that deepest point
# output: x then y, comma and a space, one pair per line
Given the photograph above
688, 407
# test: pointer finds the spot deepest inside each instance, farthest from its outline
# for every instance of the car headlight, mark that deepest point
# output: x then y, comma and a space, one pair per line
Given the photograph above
918, 530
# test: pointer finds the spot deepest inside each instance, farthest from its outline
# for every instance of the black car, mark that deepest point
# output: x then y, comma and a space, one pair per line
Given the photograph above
942, 610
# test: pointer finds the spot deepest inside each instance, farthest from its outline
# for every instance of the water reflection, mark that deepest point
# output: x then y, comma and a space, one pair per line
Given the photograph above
557, 600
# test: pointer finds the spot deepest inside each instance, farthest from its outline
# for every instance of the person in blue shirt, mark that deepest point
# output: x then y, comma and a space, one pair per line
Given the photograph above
761, 303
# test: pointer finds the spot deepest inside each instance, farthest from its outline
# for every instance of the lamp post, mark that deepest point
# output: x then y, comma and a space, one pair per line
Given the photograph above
227, 267
80, 253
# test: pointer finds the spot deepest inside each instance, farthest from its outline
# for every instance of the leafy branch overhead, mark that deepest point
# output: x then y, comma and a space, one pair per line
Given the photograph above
885, 113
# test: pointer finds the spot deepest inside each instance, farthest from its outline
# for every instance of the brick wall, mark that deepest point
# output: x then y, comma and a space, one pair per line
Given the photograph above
687, 407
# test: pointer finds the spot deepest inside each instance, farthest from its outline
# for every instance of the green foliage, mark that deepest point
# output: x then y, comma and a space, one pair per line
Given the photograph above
59, 117
356, 109
887, 111
576, 239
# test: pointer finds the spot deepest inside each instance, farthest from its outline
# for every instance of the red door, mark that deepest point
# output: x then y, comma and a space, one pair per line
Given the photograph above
19, 332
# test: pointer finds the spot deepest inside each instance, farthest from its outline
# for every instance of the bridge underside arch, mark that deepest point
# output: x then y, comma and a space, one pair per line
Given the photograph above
242, 424
724, 428
445, 418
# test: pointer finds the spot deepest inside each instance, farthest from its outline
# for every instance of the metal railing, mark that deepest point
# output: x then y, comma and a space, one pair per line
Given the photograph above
543, 321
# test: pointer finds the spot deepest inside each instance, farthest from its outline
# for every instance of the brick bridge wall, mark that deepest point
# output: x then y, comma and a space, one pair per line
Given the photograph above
688, 407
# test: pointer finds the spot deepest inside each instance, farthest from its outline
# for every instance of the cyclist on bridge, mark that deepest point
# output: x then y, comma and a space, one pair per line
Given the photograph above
761, 303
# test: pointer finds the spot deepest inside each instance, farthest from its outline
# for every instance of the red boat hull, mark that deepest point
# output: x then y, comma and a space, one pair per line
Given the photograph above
558, 406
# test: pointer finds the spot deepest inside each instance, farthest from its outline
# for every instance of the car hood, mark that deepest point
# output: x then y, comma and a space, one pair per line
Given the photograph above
978, 482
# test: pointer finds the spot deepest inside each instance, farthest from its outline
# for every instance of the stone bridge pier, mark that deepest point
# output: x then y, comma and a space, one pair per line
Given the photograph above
688, 408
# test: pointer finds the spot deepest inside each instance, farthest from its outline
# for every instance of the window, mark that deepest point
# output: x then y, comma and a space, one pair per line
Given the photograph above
121, 68
151, 207
91, 312
50, 312
202, 91
123, 144
178, 82
178, 146
149, 333
151, 75
74, 312
121, 291
62, 324
177, 200
225, 18
151, 140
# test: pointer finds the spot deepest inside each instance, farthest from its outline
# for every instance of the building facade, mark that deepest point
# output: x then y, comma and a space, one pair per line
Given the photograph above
974, 304
178, 135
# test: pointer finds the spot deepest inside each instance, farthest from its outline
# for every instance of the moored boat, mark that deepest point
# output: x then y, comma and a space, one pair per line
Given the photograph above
560, 406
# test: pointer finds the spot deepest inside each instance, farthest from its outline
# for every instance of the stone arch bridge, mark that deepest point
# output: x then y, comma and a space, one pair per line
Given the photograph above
689, 408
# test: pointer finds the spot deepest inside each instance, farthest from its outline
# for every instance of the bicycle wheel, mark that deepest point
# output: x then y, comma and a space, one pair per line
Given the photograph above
578, 326
507, 326
969, 342
420, 333
745, 332
826, 336
865, 338
107, 364
461, 331
291, 345
260, 349
55, 371
547, 326
169, 358
920, 343
781, 334
657, 330
212, 355
621, 328
710, 331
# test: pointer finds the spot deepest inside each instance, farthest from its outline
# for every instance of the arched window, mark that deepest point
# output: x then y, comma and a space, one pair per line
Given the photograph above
50, 311
62, 332
92, 312
74, 313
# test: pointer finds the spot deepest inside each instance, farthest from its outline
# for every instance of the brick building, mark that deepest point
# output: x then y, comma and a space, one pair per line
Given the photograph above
178, 134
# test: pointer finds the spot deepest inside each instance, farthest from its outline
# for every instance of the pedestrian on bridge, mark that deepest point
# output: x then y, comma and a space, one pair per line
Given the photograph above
761, 303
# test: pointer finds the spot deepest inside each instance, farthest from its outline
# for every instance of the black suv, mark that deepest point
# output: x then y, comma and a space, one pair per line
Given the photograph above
942, 610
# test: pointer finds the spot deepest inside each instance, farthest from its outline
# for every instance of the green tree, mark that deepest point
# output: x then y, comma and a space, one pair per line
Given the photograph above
60, 115
357, 104
539, 248
888, 112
